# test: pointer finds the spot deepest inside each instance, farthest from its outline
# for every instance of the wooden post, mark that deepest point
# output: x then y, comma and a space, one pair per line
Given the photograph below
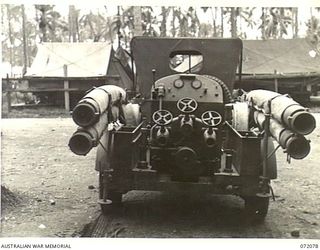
276, 87
66, 86
8, 94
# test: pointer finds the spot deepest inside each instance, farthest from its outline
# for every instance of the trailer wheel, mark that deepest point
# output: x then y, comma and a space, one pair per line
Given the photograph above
256, 208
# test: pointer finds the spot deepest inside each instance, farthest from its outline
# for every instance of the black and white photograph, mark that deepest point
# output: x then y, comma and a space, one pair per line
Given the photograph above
160, 122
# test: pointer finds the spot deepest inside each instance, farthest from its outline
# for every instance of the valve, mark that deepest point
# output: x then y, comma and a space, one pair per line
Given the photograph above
211, 118
162, 117
187, 105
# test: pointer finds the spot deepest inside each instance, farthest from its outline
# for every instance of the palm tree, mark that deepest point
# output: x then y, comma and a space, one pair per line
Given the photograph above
295, 23
97, 27
175, 14
163, 26
137, 15
236, 16
188, 22
214, 23
10, 36
73, 24
313, 32
52, 27
222, 12
194, 21
246, 14
149, 22
233, 21
24, 40
276, 23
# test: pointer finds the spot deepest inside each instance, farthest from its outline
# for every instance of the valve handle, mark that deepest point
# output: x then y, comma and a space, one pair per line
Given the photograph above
211, 118
187, 105
162, 117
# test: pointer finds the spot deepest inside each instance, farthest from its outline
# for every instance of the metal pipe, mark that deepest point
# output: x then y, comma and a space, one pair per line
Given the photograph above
84, 139
210, 137
162, 136
284, 109
89, 109
297, 146
186, 124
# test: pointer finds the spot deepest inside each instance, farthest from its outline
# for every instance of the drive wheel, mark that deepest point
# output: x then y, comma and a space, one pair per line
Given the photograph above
256, 208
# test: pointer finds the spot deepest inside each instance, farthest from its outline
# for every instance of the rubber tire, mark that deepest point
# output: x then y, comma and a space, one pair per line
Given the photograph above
256, 208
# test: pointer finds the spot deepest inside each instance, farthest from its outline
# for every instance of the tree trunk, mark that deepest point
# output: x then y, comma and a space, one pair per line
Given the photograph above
10, 38
173, 22
263, 25
43, 25
73, 20
183, 28
137, 21
163, 27
311, 21
295, 22
214, 17
282, 15
221, 21
24, 40
233, 20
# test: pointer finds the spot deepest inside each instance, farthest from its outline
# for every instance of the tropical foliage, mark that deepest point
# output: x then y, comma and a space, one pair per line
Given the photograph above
46, 24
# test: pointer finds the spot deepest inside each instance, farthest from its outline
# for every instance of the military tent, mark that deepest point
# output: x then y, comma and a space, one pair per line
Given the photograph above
287, 65
83, 65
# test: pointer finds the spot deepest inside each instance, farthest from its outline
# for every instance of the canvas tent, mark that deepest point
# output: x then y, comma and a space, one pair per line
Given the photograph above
286, 65
84, 65
286, 56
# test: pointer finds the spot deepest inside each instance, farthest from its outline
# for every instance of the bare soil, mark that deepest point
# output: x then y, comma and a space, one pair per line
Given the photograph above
55, 200
52, 182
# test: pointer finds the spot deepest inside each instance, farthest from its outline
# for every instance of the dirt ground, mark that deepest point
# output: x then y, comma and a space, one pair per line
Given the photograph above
56, 193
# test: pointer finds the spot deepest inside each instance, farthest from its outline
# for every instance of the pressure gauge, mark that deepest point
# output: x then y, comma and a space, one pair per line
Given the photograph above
196, 84
178, 83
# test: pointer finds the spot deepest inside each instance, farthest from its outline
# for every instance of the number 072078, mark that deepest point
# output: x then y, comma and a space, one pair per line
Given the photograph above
309, 246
